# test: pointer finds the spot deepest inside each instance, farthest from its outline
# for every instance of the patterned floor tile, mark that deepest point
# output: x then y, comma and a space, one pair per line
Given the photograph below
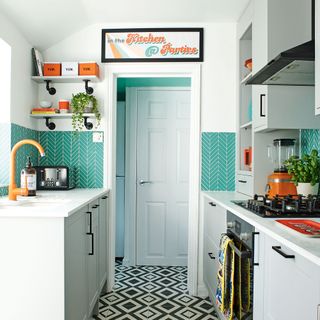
152, 293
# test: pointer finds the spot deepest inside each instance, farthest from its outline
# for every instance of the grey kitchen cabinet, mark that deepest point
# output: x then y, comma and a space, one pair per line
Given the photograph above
286, 285
103, 241
76, 248
85, 259
93, 256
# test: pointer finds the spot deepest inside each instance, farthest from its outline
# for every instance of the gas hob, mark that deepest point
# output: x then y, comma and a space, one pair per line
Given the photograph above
283, 207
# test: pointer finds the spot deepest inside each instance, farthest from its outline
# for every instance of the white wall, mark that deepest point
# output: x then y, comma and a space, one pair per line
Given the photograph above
24, 92
218, 70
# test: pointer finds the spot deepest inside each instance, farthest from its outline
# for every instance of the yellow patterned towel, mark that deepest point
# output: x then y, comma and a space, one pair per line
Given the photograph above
225, 288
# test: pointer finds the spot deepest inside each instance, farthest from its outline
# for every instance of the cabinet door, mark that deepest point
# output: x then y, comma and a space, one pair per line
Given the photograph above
93, 254
215, 220
291, 284
76, 305
103, 221
260, 106
210, 266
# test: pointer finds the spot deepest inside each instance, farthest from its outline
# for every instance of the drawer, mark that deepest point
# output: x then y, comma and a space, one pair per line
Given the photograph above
210, 266
215, 221
245, 184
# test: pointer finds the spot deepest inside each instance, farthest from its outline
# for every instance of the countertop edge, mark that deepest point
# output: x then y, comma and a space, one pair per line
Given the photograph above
245, 215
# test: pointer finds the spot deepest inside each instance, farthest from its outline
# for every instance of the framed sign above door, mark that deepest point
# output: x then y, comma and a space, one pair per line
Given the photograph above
152, 45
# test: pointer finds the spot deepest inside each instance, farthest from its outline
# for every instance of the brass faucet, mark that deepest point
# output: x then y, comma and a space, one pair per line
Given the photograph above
13, 190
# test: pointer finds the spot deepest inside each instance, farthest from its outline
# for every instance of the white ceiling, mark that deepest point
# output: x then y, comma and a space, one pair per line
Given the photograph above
45, 22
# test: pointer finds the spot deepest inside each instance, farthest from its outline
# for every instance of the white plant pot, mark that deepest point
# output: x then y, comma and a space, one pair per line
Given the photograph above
306, 188
88, 108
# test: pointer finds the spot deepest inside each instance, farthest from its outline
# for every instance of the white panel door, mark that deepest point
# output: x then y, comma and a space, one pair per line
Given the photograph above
163, 164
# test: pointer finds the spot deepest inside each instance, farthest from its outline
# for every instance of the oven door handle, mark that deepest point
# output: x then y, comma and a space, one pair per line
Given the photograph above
254, 234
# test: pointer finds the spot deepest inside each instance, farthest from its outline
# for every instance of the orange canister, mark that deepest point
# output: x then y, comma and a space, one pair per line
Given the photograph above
64, 106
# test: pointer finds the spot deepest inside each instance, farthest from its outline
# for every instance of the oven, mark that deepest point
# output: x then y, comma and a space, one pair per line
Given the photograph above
243, 235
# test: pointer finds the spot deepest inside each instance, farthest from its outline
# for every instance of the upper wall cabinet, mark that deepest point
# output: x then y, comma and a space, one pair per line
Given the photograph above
278, 26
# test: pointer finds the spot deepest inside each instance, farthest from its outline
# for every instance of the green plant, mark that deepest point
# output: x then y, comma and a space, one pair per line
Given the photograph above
305, 169
79, 103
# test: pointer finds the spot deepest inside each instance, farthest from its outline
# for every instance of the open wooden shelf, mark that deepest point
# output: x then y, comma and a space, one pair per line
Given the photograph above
60, 115
65, 79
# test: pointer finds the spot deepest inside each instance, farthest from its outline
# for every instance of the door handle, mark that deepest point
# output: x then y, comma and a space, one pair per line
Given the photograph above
211, 256
142, 182
262, 103
285, 255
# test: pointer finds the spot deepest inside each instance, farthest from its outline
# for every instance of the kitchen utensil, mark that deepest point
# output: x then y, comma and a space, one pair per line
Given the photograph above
307, 228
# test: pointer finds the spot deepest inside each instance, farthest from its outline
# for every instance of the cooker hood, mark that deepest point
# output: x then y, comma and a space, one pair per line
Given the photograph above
293, 67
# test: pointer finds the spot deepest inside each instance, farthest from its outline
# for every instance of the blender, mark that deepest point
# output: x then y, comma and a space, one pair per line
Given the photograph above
279, 182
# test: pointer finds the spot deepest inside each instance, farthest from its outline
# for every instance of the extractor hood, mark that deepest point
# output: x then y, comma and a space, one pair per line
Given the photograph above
293, 67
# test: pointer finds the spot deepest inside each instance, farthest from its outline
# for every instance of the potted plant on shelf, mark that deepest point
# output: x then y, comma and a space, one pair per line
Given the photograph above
83, 103
305, 172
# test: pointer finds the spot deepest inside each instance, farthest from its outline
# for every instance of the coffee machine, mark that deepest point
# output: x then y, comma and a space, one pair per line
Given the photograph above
279, 182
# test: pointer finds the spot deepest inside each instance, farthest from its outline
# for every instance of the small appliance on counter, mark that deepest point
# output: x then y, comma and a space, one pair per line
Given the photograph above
279, 182
55, 178
283, 207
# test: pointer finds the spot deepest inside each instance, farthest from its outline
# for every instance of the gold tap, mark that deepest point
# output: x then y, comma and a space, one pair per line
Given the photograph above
13, 190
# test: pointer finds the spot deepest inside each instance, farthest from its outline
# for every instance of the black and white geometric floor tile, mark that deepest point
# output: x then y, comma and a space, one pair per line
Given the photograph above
153, 293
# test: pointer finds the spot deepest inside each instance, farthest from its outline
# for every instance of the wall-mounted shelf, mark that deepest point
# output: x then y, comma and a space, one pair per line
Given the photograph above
246, 125
246, 78
51, 125
66, 79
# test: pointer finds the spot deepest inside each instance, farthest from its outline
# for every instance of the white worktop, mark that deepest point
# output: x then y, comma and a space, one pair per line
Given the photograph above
49, 204
307, 247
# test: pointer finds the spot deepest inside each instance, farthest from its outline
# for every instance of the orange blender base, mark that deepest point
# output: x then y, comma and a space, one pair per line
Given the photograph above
280, 184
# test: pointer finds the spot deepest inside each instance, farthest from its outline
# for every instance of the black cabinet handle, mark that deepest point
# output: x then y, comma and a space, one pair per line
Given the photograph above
254, 234
104, 197
92, 244
262, 99
90, 221
242, 181
212, 204
278, 249
210, 254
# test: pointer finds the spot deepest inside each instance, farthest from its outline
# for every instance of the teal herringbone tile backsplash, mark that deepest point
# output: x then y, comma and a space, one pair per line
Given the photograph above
77, 151
310, 139
218, 161
19, 133
5, 146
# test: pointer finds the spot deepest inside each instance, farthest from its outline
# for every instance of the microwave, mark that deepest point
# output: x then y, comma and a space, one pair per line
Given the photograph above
55, 178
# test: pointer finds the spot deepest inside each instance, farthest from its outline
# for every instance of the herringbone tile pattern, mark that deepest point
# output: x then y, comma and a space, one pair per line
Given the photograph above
19, 133
75, 150
155, 293
5, 146
310, 139
218, 161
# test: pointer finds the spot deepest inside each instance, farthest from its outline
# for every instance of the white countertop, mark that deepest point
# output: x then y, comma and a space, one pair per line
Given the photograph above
307, 247
49, 204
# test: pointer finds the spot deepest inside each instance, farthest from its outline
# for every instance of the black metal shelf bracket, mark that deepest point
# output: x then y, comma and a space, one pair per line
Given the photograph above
87, 124
89, 90
50, 125
52, 91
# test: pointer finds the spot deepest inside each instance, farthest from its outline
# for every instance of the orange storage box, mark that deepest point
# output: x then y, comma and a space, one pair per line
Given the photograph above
88, 69
52, 69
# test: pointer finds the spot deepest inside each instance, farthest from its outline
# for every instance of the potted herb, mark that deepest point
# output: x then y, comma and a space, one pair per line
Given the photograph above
83, 103
305, 172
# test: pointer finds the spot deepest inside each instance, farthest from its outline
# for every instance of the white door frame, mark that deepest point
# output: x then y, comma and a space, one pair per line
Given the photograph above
130, 243
156, 70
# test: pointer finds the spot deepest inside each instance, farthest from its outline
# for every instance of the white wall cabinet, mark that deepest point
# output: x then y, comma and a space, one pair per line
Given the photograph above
215, 223
86, 259
285, 107
286, 285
